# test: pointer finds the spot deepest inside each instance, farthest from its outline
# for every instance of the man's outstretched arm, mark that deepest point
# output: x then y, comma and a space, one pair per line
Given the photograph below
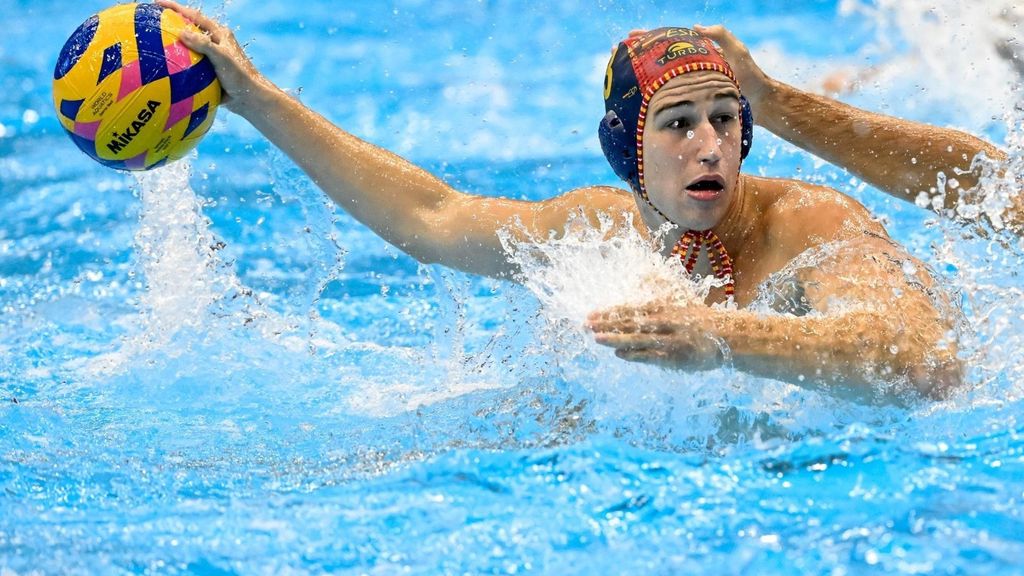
899, 157
402, 203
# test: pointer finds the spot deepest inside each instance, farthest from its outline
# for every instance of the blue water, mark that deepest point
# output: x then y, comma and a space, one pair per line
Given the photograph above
212, 370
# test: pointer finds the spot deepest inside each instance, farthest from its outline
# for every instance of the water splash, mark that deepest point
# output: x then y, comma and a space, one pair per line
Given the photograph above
185, 284
984, 255
945, 54
561, 271
592, 268
960, 63
996, 200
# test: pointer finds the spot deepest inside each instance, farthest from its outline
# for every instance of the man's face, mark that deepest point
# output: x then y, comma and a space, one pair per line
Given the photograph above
692, 148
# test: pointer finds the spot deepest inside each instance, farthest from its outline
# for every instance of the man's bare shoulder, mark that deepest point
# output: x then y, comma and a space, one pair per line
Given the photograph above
599, 198
794, 209
591, 202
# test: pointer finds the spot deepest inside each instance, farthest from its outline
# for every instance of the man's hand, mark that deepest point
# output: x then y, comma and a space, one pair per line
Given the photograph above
660, 333
239, 78
754, 83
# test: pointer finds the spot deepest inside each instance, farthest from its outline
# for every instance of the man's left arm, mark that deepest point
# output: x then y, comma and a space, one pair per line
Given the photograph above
900, 157
877, 328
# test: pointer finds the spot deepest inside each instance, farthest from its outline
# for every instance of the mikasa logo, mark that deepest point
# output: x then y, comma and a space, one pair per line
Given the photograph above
125, 138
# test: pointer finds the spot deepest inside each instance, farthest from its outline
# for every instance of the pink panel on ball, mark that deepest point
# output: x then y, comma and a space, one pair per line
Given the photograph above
136, 163
179, 111
87, 129
178, 57
131, 79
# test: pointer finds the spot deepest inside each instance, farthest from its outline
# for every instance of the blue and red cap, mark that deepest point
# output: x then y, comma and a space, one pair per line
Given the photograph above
638, 68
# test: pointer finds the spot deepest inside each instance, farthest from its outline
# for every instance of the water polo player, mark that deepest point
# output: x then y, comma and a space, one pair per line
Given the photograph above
676, 129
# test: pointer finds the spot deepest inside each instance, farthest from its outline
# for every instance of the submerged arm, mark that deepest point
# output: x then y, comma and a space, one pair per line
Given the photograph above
850, 352
889, 337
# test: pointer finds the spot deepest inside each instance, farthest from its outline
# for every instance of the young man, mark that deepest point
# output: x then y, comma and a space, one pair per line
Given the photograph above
676, 130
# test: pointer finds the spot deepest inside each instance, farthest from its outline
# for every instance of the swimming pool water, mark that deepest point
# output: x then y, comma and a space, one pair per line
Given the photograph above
209, 369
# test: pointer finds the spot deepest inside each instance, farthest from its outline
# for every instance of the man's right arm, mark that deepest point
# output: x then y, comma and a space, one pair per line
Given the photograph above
404, 204
900, 157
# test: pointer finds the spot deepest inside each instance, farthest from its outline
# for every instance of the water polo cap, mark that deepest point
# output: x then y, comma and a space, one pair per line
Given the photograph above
638, 68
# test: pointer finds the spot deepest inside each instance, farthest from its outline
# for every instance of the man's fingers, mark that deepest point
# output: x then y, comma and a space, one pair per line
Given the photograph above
645, 319
238, 77
716, 32
191, 14
612, 324
628, 341
203, 22
722, 36
628, 323
645, 356
199, 42
633, 355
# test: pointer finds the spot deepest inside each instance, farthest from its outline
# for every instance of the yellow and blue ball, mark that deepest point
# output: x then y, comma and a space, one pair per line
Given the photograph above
129, 93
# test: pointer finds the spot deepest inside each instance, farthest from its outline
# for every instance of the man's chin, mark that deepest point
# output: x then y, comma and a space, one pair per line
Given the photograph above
702, 219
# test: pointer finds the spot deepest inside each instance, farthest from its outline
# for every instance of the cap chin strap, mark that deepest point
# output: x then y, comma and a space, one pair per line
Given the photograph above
688, 248
690, 245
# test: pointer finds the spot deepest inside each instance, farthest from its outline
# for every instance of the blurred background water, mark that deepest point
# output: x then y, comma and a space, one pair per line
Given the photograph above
210, 369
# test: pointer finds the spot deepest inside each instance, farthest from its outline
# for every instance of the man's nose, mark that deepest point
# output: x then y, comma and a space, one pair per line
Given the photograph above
709, 143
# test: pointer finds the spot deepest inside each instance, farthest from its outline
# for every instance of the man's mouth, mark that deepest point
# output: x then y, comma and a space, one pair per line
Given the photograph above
706, 188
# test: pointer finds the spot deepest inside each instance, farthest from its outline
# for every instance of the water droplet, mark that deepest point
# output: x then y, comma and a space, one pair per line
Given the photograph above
690, 134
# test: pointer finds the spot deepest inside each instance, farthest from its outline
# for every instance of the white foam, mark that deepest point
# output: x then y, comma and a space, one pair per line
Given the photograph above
954, 53
186, 283
589, 269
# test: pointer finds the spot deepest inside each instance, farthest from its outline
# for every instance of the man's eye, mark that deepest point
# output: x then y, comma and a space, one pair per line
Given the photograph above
678, 124
725, 118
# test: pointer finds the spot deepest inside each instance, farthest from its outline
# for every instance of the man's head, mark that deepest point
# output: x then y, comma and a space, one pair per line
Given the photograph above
676, 127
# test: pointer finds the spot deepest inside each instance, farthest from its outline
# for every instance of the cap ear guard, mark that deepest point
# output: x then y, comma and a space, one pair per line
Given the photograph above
618, 147
746, 127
